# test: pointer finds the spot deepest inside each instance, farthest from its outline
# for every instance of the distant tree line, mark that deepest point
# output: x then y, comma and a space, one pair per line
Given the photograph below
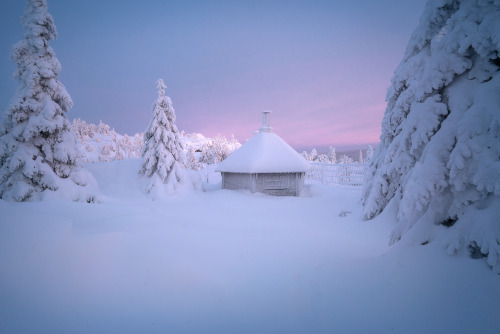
101, 143
331, 157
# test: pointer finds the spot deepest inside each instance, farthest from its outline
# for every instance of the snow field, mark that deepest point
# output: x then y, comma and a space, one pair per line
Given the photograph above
225, 261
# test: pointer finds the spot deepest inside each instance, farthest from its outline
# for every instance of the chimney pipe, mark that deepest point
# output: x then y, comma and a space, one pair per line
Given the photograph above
266, 121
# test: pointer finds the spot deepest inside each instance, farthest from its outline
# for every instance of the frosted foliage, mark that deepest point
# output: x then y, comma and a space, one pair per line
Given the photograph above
38, 149
344, 159
162, 153
314, 155
321, 158
332, 155
439, 156
219, 148
100, 144
192, 162
369, 153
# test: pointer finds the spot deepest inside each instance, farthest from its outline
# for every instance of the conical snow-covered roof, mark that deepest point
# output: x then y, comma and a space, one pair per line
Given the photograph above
265, 152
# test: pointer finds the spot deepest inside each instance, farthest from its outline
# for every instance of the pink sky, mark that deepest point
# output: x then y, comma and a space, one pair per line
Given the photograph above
335, 108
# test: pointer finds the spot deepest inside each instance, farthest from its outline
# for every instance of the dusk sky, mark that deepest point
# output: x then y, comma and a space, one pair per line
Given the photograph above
322, 67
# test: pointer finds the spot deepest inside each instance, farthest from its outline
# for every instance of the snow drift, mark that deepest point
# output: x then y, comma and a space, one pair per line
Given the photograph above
224, 261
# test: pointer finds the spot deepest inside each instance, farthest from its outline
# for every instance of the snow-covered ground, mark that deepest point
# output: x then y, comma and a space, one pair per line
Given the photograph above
220, 261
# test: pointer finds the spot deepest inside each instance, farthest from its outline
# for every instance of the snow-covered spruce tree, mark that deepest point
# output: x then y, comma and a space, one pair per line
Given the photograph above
439, 156
39, 155
163, 160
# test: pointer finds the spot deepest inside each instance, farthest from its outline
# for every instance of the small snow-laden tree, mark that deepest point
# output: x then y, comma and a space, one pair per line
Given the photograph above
369, 153
207, 156
361, 159
313, 155
233, 144
439, 156
126, 144
192, 162
138, 144
91, 130
103, 129
80, 128
116, 143
107, 153
332, 155
222, 148
119, 154
39, 155
163, 157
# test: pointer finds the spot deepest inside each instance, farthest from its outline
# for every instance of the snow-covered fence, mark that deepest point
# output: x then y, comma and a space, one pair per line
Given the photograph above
347, 176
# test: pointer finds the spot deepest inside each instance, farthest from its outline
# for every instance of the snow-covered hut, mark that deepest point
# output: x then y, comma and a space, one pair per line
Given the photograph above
266, 164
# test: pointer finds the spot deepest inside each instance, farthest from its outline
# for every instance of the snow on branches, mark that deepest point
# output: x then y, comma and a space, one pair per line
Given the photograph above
439, 156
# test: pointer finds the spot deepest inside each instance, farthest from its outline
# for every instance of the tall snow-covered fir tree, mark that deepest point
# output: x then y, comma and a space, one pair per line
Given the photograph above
162, 154
39, 155
438, 161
